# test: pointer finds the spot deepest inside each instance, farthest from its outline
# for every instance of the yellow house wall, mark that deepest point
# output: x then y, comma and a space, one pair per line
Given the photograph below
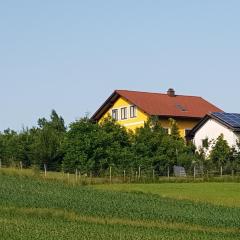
129, 123
182, 124
141, 117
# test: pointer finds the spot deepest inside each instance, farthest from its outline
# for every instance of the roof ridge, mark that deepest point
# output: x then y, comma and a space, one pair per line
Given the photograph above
159, 93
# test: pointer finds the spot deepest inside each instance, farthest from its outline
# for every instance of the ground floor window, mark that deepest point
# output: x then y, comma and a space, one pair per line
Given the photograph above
187, 131
166, 130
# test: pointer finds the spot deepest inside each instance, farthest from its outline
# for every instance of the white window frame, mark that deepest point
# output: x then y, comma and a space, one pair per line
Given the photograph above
133, 113
116, 116
124, 113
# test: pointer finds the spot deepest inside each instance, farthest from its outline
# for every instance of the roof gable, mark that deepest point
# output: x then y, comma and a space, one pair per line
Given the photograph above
220, 117
158, 104
230, 119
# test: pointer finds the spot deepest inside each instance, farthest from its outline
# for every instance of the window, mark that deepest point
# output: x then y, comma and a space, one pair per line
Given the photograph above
205, 143
133, 112
181, 108
123, 113
115, 114
187, 131
166, 130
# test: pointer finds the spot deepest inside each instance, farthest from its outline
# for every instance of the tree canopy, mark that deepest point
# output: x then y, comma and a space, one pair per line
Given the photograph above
92, 148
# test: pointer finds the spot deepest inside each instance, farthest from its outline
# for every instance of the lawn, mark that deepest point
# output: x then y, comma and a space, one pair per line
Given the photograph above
32, 208
224, 193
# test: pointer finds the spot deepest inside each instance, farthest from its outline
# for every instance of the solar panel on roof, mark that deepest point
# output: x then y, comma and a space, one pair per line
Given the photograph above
232, 119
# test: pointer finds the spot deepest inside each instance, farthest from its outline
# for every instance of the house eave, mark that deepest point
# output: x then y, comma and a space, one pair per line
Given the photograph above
105, 106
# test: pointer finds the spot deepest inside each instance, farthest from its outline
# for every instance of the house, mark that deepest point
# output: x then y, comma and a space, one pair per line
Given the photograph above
212, 126
131, 109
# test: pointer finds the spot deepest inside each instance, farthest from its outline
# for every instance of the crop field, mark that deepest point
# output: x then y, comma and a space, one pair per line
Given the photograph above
32, 208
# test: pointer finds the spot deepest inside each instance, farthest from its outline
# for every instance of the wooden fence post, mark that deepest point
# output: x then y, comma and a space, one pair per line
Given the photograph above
124, 176
76, 175
110, 174
45, 169
21, 166
221, 171
194, 172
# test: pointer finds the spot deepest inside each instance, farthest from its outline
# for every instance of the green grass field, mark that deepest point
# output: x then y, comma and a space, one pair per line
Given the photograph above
32, 208
225, 193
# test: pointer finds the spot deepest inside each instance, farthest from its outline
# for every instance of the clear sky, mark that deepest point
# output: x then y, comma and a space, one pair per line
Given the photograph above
70, 55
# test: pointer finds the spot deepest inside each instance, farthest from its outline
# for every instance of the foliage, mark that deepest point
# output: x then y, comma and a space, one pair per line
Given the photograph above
174, 129
92, 148
36, 145
220, 152
155, 148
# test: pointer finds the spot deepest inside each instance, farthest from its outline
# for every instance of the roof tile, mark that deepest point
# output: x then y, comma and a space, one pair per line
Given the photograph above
164, 105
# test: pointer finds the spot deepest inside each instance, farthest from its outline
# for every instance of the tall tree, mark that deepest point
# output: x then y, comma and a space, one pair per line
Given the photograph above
47, 146
91, 147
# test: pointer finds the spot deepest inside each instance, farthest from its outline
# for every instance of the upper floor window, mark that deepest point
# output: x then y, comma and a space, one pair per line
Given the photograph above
115, 114
123, 113
133, 111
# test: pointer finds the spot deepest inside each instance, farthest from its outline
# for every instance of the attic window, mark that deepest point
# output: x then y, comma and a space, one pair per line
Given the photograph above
181, 108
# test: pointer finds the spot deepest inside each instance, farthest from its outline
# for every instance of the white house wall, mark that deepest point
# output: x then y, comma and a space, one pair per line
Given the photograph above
212, 130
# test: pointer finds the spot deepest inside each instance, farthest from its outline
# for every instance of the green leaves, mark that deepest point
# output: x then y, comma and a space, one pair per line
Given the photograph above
93, 148
35, 146
156, 149
221, 153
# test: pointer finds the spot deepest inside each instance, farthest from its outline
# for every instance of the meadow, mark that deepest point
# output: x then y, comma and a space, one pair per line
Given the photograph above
217, 193
34, 208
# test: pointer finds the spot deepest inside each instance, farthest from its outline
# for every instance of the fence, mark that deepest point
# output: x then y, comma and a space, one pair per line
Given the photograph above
132, 175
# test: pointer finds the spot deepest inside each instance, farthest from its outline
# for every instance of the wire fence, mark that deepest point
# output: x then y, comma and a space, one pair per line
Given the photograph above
130, 175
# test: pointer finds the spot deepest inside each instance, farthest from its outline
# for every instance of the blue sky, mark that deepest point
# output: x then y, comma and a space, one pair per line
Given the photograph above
70, 55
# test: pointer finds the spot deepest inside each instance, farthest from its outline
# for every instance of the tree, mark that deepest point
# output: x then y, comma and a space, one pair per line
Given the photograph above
92, 147
9, 144
48, 140
220, 152
174, 129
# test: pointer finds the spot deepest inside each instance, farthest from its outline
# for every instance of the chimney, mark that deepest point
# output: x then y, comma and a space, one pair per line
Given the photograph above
171, 92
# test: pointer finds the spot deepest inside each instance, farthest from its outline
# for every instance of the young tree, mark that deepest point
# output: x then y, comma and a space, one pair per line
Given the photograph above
174, 129
220, 152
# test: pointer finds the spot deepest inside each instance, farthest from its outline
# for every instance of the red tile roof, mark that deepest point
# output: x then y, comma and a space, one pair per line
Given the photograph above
158, 104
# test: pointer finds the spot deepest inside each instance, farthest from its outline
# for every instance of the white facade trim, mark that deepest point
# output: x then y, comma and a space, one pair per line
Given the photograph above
134, 123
